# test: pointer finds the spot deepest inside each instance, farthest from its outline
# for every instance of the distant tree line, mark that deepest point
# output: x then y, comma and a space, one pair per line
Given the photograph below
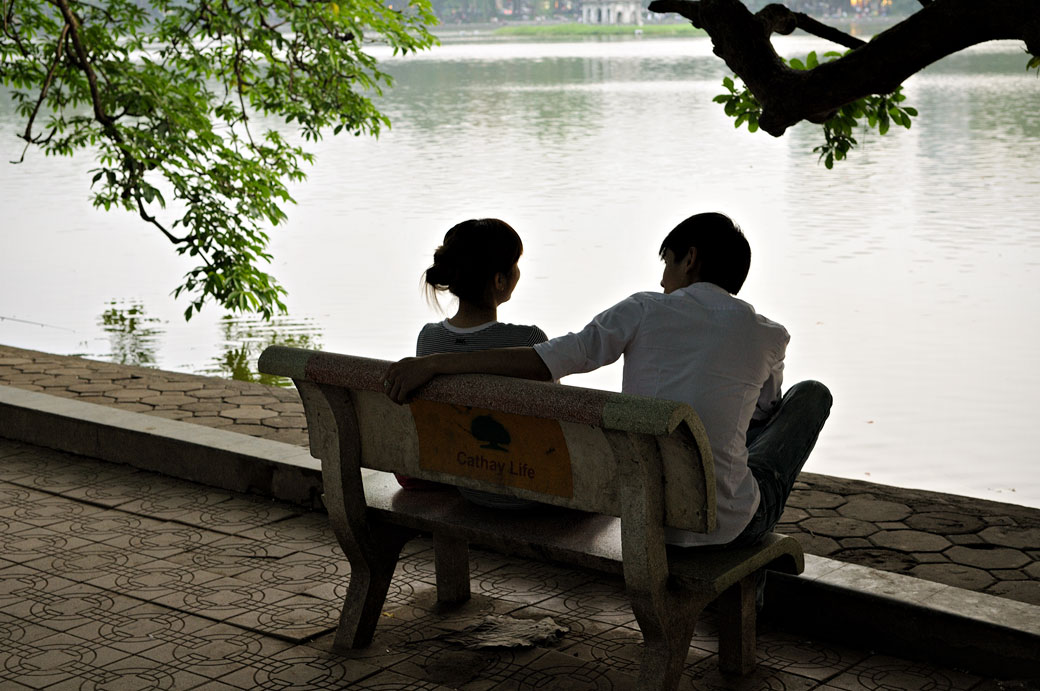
470, 11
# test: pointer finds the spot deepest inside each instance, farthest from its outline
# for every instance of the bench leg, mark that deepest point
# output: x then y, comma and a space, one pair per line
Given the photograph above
737, 616
451, 562
370, 576
667, 627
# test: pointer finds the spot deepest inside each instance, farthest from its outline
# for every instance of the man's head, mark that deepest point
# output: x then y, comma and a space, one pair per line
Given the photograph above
705, 247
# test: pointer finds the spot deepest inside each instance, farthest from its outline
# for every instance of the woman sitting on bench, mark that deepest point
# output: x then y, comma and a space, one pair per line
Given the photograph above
477, 263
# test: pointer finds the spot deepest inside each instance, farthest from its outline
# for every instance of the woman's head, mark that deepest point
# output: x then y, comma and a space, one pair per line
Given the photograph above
474, 253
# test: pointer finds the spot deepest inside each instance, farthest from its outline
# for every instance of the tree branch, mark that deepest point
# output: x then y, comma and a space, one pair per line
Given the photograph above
788, 96
72, 24
778, 19
58, 50
155, 222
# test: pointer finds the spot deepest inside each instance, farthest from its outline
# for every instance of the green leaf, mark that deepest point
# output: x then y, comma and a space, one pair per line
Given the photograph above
177, 79
811, 61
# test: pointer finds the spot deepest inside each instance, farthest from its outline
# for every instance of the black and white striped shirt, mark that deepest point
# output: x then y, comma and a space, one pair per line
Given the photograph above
442, 337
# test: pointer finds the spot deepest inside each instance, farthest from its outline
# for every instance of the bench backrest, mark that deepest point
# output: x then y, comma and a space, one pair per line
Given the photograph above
637, 458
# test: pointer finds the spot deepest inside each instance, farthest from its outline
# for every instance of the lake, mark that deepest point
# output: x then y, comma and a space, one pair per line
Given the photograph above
907, 275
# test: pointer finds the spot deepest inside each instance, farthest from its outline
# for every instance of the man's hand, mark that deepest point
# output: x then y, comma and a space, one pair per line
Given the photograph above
405, 376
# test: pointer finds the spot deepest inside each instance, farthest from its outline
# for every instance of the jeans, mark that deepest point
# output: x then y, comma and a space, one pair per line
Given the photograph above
778, 448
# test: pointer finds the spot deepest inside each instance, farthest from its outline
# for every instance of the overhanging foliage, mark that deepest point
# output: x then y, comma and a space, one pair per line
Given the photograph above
863, 82
165, 91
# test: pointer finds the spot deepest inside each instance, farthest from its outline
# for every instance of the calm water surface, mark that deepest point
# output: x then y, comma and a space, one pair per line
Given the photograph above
908, 276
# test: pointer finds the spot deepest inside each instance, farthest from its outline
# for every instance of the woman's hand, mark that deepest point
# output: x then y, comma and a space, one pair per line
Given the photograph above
405, 376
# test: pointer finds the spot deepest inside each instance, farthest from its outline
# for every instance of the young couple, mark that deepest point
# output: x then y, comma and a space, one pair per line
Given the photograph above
695, 343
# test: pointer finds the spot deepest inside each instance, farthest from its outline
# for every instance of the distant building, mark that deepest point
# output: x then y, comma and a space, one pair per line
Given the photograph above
612, 12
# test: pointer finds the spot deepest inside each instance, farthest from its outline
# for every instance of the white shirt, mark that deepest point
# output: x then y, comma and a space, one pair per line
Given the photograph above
697, 345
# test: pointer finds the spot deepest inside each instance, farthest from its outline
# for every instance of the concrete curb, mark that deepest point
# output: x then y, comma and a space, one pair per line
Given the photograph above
879, 610
909, 617
213, 457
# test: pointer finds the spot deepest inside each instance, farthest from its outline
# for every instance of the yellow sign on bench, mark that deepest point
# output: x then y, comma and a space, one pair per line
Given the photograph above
512, 450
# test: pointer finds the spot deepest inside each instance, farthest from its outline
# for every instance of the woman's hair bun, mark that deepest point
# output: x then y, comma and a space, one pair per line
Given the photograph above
443, 270
472, 253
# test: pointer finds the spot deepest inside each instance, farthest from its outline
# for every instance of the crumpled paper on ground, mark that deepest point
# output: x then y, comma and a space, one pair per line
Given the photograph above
497, 631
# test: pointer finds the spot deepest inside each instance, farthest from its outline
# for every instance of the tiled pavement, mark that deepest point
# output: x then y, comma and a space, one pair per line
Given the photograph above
116, 578
970, 543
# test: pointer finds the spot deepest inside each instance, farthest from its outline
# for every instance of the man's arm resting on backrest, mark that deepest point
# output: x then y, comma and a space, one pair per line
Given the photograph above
405, 376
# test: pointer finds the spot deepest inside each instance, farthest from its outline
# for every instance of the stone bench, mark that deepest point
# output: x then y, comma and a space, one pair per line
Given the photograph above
616, 469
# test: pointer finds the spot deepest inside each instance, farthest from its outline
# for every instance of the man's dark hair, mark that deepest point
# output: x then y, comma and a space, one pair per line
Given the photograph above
723, 253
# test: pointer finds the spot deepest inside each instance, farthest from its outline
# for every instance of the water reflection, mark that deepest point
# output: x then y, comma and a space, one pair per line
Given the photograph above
244, 338
908, 277
133, 336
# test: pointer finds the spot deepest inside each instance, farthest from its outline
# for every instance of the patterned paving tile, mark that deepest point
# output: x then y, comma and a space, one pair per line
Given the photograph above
183, 587
241, 512
140, 628
621, 649
139, 534
813, 659
36, 660
403, 592
130, 673
148, 579
300, 669
19, 461
882, 673
213, 650
389, 680
183, 502
138, 489
10, 447
27, 545
302, 573
164, 539
66, 473
296, 618
11, 526
307, 532
231, 555
705, 676
419, 567
455, 667
602, 601
22, 588
400, 629
529, 582
554, 670
220, 598
76, 605
38, 508
706, 633
90, 562
212, 685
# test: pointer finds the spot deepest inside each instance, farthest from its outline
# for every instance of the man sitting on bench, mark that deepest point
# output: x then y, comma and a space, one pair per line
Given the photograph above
694, 343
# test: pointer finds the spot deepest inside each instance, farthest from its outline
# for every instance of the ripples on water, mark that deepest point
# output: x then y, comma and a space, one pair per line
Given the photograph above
907, 275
